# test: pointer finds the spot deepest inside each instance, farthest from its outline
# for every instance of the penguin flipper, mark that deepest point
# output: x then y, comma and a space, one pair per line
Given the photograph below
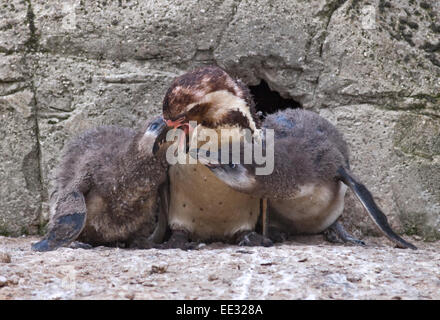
373, 210
158, 234
68, 222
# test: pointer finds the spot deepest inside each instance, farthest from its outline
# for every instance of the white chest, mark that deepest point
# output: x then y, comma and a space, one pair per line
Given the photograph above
313, 209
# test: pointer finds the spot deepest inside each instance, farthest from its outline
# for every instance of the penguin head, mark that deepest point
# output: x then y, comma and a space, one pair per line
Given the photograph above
210, 97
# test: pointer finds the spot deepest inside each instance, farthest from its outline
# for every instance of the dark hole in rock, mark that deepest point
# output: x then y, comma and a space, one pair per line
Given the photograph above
268, 101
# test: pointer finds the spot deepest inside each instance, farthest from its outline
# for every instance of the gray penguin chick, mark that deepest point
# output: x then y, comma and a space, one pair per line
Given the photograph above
311, 173
107, 188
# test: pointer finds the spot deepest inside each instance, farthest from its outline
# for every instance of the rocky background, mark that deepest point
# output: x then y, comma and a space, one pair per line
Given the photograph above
371, 67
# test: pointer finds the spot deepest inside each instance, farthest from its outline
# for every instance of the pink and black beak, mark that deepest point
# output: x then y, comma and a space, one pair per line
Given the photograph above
182, 124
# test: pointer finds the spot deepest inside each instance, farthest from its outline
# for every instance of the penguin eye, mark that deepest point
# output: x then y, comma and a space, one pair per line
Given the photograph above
153, 126
232, 165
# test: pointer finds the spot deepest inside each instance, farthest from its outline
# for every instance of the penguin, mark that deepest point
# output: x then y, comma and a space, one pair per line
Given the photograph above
310, 176
110, 189
203, 208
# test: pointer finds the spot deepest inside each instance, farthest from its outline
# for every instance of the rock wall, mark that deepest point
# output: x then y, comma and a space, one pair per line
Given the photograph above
370, 67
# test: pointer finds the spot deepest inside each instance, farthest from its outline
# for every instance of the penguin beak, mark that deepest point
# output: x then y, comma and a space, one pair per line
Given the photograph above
181, 122
161, 133
208, 158
236, 176
154, 136
176, 123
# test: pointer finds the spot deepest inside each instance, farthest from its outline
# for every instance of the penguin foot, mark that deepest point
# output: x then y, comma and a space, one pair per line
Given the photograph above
80, 245
337, 234
277, 235
253, 239
179, 240
142, 243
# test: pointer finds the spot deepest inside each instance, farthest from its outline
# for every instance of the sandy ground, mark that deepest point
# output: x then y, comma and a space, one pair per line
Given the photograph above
307, 268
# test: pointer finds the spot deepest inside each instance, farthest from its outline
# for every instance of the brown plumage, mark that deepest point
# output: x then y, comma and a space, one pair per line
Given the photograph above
107, 187
311, 174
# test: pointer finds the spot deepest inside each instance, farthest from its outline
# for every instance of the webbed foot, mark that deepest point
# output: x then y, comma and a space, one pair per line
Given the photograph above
179, 240
277, 235
80, 245
336, 233
253, 239
142, 243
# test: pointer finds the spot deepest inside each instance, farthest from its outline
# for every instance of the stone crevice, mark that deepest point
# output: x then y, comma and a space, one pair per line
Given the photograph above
332, 7
32, 46
234, 11
32, 42
38, 149
14, 90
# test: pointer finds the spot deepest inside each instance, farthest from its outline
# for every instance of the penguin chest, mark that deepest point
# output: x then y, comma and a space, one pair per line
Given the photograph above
313, 209
206, 207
